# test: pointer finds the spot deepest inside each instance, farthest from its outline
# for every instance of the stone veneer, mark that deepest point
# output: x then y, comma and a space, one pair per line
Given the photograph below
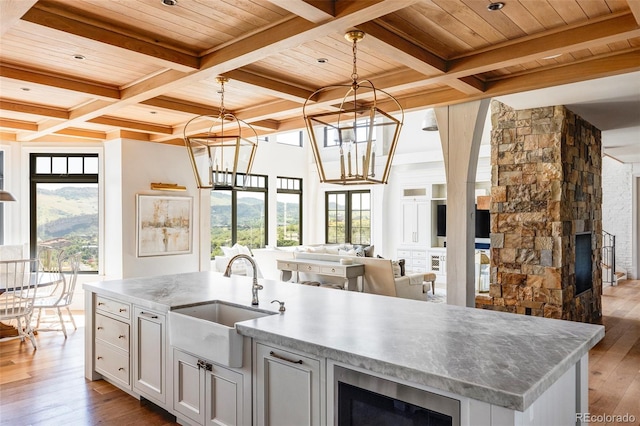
546, 187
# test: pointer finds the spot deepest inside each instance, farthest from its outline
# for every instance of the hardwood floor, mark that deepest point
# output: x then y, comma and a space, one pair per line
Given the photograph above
614, 363
47, 386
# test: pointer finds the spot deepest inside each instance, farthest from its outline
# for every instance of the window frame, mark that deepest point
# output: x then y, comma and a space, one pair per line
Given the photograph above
299, 192
234, 204
348, 215
1, 204
36, 178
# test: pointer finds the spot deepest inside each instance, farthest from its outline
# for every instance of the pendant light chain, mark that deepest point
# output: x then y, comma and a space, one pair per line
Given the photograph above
354, 74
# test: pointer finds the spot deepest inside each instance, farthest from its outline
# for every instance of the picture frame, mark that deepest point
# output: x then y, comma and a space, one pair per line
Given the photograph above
164, 225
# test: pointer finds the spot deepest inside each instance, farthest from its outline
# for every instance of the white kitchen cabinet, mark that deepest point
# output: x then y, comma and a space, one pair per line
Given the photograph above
208, 394
415, 222
288, 387
149, 363
112, 344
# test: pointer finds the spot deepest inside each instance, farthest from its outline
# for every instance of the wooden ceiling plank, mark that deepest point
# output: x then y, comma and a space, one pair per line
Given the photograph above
82, 133
414, 57
634, 6
167, 57
401, 50
620, 27
18, 124
605, 66
132, 125
61, 82
316, 12
44, 111
277, 38
171, 104
269, 86
11, 11
497, 19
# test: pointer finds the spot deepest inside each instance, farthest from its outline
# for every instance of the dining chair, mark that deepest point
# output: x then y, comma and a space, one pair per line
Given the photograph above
61, 297
18, 281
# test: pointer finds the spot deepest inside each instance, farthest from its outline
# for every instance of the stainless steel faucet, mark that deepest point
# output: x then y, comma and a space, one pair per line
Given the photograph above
255, 287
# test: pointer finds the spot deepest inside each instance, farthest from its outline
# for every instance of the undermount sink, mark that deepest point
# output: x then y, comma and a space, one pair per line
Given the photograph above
208, 330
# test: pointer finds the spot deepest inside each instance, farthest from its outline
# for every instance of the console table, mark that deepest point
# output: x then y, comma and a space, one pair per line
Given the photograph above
350, 273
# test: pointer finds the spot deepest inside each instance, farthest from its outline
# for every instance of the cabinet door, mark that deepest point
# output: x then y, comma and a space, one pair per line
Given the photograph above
224, 405
149, 354
288, 388
409, 221
188, 387
423, 228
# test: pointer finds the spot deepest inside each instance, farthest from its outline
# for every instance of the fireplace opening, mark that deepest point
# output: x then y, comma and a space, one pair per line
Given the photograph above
584, 266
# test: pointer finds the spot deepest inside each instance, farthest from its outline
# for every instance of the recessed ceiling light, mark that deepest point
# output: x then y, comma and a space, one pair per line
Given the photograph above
79, 57
153, 112
169, 2
495, 6
322, 60
552, 56
25, 89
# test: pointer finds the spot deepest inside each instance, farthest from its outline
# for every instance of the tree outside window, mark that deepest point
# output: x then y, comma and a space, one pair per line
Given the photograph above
289, 200
239, 215
348, 217
64, 205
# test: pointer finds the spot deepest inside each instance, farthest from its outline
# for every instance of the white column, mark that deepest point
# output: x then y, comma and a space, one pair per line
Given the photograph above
460, 128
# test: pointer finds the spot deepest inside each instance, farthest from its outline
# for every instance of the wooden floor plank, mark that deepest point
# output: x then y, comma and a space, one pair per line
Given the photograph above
47, 386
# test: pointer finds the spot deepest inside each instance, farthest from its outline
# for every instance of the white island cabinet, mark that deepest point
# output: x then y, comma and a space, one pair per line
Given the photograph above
495, 368
208, 394
149, 354
288, 387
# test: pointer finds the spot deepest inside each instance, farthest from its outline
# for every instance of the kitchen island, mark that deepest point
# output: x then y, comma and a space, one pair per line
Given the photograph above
501, 368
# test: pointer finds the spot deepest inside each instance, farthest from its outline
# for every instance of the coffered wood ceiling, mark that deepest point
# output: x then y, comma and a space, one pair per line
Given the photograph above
149, 68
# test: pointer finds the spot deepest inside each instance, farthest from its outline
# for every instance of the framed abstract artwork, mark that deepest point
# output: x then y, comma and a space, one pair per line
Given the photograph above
164, 225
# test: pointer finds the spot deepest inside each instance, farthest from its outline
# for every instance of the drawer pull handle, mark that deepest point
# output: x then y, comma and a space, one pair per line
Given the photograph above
122, 336
309, 268
333, 269
101, 303
123, 310
99, 357
121, 369
275, 355
100, 328
146, 314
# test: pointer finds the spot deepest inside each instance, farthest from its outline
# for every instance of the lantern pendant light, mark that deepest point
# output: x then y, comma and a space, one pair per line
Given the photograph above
221, 148
347, 138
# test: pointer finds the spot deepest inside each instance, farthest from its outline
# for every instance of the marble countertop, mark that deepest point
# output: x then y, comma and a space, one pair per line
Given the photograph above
500, 358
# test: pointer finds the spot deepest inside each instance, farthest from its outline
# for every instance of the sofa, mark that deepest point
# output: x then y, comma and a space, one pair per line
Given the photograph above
379, 276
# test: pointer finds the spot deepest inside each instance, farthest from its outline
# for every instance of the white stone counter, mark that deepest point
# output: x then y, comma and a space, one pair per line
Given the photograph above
500, 358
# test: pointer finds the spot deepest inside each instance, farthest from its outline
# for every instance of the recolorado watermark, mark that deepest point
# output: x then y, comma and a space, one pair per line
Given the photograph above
605, 418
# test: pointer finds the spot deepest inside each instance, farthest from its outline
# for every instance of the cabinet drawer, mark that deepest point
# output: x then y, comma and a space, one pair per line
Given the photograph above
419, 254
112, 331
332, 270
287, 266
114, 307
419, 262
404, 254
112, 362
309, 268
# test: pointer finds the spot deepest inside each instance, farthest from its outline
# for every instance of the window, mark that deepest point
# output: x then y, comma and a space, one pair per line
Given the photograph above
289, 138
289, 200
64, 205
348, 217
239, 215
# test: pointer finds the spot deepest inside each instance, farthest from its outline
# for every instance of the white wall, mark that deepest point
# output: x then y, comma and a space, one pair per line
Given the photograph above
617, 212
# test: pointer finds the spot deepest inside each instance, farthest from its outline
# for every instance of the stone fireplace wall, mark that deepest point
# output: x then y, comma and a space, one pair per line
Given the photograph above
546, 187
